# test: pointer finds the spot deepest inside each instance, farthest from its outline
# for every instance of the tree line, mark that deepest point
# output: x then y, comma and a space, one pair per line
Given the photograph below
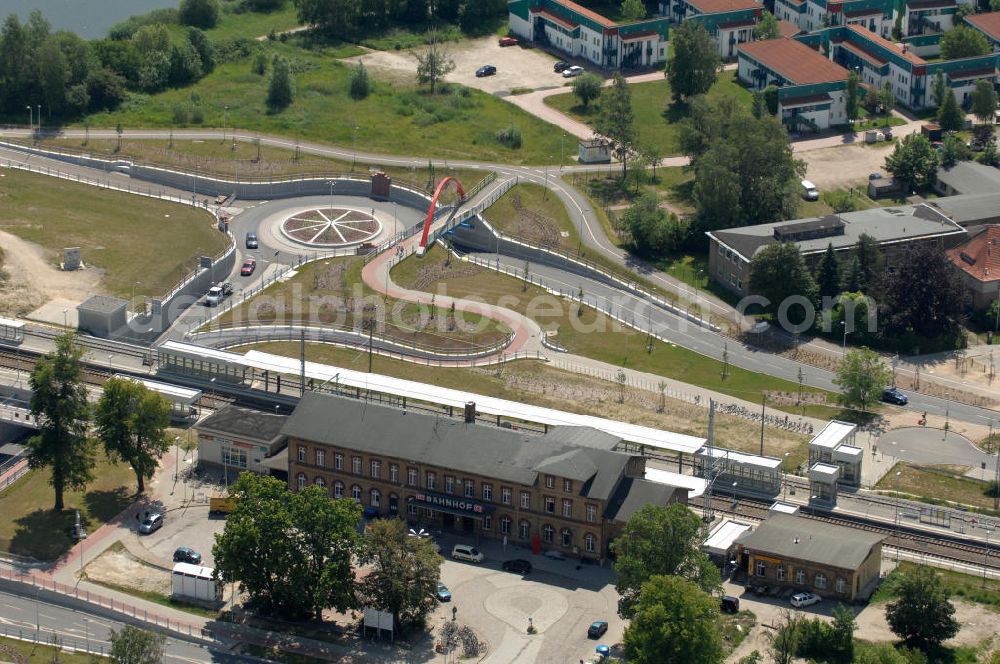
344, 19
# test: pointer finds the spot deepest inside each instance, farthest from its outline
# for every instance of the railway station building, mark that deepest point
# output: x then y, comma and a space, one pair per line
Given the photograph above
235, 439
792, 553
570, 489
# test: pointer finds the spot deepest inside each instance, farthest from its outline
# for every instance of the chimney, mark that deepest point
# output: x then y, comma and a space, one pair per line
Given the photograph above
470, 412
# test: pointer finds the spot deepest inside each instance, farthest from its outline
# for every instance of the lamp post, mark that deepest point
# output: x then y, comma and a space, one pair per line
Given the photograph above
898, 506
331, 183
844, 324
65, 324
225, 121
31, 119
110, 355
734, 495
986, 554
132, 301
38, 118
177, 457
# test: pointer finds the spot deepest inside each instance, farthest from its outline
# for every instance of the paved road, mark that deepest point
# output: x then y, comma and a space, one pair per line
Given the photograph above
936, 447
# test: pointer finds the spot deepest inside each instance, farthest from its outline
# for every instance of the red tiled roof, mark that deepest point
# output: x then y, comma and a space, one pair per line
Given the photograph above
556, 18
885, 43
583, 11
720, 6
980, 256
794, 60
987, 23
864, 53
788, 29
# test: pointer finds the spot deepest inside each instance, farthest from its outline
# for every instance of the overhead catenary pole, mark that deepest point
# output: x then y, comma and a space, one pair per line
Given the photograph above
763, 402
302, 362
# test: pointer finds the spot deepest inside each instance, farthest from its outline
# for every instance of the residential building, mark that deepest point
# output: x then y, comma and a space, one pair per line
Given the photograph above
730, 22
967, 177
795, 553
812, 15
811, 90
579, 32
238, 439
978, 265
731, 250
570, 489
989, 25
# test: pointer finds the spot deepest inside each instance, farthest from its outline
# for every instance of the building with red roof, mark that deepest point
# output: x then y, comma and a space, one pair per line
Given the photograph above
989, 25
730, 22
978, 264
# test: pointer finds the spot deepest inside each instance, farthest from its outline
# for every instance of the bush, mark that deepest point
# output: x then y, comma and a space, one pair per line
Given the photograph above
202, 14
181, 114
197, 115
125, 29
510, 137
259, 65
840, 201
361, 84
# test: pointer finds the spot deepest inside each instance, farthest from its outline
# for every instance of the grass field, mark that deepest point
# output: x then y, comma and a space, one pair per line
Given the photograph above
591, 334
965, 586
535, 382
233, 25
937, 484
31, 528
129, 238
655, 117
42, 654
397, 118
332, 292
532, 212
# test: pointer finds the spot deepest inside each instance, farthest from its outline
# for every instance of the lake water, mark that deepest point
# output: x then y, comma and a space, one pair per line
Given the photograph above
87, 18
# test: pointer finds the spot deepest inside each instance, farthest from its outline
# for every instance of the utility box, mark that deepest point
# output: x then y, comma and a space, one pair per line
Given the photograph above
381, 186
196, 582
594, 151
931, 131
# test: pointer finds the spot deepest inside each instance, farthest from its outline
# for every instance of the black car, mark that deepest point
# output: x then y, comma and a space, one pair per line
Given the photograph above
560, 66
894, 395
187, 555
597, 629
518, 566
729, 604
486, 70
252, 240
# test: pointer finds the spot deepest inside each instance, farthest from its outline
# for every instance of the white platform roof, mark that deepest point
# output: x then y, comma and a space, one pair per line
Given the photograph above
740, 457
175, 393
322, 373
833, 434
11, 323
695, 485
193, 570
722, 537
784, 508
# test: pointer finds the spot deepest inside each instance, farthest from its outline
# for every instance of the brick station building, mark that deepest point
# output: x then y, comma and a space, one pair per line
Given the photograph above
568, 490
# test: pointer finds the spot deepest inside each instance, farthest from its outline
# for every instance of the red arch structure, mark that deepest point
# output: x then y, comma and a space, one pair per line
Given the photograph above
430, 210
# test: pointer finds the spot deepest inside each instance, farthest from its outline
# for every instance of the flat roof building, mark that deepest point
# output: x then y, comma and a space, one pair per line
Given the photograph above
237, 439
569, 489
800, 554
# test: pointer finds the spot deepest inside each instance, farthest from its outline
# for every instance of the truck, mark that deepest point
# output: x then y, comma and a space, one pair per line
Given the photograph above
218, 293
221, 505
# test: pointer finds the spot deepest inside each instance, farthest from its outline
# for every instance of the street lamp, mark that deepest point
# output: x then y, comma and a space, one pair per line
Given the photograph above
31, 119
844, 324
225, 121
38, 118
176, 457
331, 183
734, 494
65, 324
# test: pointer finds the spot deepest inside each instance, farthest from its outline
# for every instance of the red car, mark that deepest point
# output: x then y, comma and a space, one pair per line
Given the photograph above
248, 267
508, 41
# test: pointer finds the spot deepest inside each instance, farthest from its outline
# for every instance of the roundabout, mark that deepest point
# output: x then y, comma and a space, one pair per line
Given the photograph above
330, 227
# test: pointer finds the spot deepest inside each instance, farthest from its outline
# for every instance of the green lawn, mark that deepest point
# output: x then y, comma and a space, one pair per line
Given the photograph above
972, 588
129, 238
397, 118
937, 484
591, 334
41, 654
856, 195
31, 528
533, 212
655, 117
250, 25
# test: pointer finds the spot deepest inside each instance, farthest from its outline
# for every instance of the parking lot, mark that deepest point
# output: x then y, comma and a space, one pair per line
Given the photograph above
517, 66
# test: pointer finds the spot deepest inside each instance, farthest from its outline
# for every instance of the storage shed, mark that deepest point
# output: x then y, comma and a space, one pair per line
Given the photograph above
196, 582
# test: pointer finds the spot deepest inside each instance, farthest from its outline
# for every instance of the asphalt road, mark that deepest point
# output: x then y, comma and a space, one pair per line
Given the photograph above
80, 630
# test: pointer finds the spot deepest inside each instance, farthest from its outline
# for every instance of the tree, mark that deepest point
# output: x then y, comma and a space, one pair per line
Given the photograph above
759, 104
771, 99
853, 96
476, 17
131, 645
871, 261
660, 540
828, 273
785, 639
767, 27
203, 47
587, 88
861, 376
651, 230
842, 634
202, 14
259, 64
963, 42
984, 102
279, 92
333, 17
694, 61
614, 121
953, 150
433, 64
886, 98
949, 114
361, 84
53, 75
914, 161
853, 278
403, 571
923, 296
633, 10
922, 614
674, 621
59, 404
938, 88
290, 552
132, 422
779, 272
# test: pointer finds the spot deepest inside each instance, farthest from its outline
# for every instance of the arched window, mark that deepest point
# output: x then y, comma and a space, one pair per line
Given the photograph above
320, 482
376, 498
524, 529
393, 503
356, 493
338, 489
505, 525
302, 481
589, 542
566, 537
547, 533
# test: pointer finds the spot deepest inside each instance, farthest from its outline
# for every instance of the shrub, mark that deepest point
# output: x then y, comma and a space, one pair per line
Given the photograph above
202, 14
181, 114
361, 84
510, 137
259, 65
840, 201
197, 115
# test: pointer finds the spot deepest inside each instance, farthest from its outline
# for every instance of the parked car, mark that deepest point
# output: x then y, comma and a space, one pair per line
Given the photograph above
486, 70
249, 265
809, 191
508, 41
597, 629
150, 523
800, 600
518, 566
467, 552
570, 72
251, 240
218, 293
552, 554
729, 604
895, 395
560, 66
443, 594
185, 554
874, 176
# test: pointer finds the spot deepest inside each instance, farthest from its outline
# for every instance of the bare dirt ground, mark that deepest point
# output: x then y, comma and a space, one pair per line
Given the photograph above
118, 567
839, 167
517, 67
33, 278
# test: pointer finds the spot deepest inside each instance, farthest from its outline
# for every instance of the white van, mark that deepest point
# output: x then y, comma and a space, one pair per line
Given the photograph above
466, 552
809, 191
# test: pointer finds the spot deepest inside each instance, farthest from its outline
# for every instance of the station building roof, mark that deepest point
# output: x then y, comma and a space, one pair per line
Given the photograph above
797, 538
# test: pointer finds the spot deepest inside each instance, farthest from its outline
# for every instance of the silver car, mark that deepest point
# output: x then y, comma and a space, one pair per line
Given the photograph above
152, 523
